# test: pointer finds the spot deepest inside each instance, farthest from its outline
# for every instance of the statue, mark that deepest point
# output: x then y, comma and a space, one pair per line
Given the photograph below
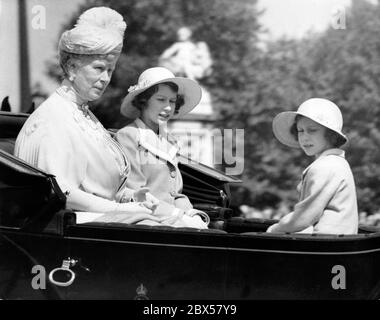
190, 59
186, 58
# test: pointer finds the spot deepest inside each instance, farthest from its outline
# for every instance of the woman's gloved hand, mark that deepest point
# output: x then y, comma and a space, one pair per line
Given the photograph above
195, 221
195, 212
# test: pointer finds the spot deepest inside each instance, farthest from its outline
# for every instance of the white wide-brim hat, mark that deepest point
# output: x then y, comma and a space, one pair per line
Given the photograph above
189, 89
322, 111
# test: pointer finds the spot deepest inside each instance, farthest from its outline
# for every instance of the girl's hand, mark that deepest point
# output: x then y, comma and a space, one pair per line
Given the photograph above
140, 195
270, 229
144, 196
152, 200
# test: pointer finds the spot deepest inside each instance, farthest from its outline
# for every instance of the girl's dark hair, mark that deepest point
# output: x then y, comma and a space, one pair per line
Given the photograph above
335, 139
141, 100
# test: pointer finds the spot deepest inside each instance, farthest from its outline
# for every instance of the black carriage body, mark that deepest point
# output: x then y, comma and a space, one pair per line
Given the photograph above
234, 260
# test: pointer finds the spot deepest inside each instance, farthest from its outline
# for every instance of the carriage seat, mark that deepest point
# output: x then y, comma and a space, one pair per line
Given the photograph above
7, 144
10, 126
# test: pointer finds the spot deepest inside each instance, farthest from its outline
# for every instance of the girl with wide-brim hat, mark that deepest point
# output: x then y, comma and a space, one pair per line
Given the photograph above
328, 201
158, 97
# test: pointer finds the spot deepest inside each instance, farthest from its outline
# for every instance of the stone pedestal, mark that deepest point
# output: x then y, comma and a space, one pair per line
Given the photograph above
194, 131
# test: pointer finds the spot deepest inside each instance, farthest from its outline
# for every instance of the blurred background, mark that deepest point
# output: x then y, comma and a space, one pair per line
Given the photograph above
266, 56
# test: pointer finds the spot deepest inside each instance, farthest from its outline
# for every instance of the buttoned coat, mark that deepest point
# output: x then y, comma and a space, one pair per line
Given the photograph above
154, 164
327, 202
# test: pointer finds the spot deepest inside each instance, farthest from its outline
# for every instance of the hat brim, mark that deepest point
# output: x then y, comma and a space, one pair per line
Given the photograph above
282, 124
189, 89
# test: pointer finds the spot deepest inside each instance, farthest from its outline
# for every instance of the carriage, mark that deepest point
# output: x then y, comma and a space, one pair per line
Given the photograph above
47, 252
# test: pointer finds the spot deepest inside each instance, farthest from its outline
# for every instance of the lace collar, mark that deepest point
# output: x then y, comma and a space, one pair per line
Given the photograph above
67, 92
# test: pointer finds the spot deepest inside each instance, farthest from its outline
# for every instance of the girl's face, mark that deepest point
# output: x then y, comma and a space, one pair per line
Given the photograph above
160, 107
312, 137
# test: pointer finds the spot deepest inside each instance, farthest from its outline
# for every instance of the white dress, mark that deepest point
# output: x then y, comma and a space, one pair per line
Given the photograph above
88, 164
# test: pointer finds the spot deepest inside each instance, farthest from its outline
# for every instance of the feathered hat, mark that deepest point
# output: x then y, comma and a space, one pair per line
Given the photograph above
99, 30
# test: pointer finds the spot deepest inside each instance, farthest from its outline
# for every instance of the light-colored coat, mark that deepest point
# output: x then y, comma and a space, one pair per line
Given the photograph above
87, 163
328, 201
154, 164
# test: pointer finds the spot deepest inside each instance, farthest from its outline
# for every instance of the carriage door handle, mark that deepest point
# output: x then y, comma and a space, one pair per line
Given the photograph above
66, 272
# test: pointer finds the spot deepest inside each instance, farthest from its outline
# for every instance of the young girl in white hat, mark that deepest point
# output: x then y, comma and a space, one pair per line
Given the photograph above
327, 191
157, 97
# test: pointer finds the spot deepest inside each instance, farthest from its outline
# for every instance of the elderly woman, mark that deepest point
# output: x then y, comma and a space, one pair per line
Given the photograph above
152, 151
64, 138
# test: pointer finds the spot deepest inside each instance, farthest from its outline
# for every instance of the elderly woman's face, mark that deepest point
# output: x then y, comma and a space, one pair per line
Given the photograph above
91, 76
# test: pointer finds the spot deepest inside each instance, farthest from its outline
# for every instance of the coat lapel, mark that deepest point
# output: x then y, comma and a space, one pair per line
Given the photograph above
335, 151
158, 147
